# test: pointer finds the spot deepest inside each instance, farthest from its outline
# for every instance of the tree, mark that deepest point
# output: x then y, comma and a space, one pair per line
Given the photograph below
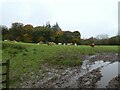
27, 35
56, 27
114, 40
16, 31
101, 39
76, 37
48, 25
88, 41
28, 27
68, 37
59, 37
37, 33
4, 32
42, 33
102, 36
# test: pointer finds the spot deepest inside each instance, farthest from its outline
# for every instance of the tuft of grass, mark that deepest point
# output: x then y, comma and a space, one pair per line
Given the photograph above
66, 59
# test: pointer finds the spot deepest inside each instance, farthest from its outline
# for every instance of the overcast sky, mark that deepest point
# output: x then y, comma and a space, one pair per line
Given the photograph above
89, 17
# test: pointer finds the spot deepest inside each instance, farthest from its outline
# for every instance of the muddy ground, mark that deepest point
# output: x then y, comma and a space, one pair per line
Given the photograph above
114, 83
73, 77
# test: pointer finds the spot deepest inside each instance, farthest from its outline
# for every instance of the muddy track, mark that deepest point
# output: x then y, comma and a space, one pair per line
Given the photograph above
85, 76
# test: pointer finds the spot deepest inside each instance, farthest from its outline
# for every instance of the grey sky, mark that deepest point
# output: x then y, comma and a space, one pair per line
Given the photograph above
90, 17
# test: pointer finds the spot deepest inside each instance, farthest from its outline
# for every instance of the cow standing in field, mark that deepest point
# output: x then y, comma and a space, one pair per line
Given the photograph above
92, 45
40, 43
59, 43
51, 43
69, 43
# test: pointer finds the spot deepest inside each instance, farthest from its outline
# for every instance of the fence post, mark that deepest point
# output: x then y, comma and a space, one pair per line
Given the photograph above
7, 73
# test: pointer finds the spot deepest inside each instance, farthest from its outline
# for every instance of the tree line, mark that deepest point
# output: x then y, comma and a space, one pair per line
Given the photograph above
46, 33
52, 33
115, 40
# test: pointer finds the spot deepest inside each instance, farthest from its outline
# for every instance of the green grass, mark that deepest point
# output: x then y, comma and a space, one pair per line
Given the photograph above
26, 57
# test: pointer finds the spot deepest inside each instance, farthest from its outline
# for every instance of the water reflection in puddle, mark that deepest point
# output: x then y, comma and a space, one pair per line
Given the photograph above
108, 70
88, 66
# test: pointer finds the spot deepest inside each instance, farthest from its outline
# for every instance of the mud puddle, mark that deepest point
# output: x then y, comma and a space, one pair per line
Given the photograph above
108, 72
96, 72
102, 70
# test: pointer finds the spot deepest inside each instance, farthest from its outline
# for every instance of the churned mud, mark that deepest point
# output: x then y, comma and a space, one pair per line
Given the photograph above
97, 71
114, 83
90, 79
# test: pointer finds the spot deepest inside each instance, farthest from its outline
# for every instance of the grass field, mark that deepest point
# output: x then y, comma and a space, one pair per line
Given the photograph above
26, 57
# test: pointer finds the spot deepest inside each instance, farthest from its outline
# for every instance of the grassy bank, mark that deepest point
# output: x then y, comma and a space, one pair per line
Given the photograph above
26, 58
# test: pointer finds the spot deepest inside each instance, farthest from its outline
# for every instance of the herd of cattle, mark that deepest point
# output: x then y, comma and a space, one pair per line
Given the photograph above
52, 43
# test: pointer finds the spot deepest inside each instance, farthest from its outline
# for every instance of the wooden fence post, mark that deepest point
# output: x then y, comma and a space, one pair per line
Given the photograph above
6, 82
7, 73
